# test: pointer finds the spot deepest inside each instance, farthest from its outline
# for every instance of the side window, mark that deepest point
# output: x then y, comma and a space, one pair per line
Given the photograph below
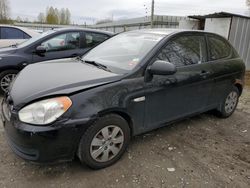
92, 39
184, 50
218, 48
12, 33
25, 36
67, 41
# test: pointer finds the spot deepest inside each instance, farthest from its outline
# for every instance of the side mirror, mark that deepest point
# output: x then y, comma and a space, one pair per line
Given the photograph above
40, 50
162, 68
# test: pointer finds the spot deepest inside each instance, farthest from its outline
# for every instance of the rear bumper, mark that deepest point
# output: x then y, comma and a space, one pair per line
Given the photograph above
47, 144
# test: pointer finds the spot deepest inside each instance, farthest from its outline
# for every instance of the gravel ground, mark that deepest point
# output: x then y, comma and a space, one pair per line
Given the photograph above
203, 151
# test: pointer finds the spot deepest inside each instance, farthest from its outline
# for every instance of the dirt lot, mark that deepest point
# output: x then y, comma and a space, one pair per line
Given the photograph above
202, 151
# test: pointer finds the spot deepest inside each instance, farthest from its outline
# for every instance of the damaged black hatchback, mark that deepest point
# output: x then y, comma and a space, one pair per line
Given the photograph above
132, 83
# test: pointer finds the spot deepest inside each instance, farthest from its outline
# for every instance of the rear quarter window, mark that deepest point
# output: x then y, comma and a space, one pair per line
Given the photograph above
218, 48
12, 33
93, 39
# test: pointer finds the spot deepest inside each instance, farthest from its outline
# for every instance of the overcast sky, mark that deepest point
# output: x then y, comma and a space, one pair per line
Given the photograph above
93, 10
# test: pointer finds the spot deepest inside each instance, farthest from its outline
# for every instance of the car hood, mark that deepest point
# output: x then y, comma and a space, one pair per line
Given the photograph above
7, 51
58, 77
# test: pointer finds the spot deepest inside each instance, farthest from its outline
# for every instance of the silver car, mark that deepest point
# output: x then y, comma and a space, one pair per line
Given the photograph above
11, 35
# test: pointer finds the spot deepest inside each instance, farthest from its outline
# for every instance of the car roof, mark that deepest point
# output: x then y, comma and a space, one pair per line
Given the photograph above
165, 32
33, 33
84, 29
30, 32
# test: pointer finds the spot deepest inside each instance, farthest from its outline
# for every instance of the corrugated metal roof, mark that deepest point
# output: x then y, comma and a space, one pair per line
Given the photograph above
218, 15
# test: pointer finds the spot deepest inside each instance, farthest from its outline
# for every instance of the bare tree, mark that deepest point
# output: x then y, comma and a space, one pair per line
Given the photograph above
19, 19
51, 16
62, 16
41, 17
55, 16
4, 11
248, 3
68, 16
26, 20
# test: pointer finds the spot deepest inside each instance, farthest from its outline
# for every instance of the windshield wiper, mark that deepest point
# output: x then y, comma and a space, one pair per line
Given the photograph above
98, 65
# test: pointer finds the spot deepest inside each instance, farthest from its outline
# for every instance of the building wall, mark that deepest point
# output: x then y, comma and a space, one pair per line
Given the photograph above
220, 26
141, 23
120, 25
240, 38
189, 24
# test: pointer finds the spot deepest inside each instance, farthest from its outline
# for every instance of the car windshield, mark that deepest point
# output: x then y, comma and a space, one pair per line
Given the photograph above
34, 39
123, 52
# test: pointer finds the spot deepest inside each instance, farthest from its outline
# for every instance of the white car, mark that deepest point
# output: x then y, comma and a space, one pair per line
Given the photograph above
11, 35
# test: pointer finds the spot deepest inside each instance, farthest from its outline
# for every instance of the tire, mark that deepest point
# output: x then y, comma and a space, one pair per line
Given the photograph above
229, 103
4, 76
95, 150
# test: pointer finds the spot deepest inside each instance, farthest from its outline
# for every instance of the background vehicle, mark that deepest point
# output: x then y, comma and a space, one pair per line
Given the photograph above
54, 44
11, 35
128, 85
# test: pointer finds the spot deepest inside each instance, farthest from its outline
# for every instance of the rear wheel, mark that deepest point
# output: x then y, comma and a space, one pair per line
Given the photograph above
6, 77
229, 104
104, 142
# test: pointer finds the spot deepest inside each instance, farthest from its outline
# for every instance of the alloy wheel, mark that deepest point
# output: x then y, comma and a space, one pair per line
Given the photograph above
107, 143
6, 80
231, 102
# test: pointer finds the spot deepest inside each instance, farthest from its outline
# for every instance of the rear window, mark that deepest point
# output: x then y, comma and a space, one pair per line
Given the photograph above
218, 48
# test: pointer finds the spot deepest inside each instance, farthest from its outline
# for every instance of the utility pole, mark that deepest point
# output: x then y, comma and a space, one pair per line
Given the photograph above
152, 13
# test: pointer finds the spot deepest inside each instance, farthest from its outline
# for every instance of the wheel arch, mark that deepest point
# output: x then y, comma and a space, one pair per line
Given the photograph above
122, 113
8, 68
239, 85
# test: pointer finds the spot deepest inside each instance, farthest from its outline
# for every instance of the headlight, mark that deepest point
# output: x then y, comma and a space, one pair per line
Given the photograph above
45, 111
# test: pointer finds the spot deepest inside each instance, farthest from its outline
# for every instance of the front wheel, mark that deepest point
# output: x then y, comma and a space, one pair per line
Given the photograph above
229, 104
104, 142
6, 77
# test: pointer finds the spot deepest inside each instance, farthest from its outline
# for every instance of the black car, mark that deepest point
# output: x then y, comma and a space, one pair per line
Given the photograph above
53, 44
130, 84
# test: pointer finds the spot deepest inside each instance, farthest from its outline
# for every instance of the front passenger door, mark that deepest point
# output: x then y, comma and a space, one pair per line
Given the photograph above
61, 46
187, 91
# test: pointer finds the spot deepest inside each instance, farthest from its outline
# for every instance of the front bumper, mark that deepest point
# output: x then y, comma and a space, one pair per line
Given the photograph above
45, 144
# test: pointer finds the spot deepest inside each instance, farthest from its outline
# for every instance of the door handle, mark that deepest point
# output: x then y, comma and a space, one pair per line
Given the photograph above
204, 73
74, 55
24, 64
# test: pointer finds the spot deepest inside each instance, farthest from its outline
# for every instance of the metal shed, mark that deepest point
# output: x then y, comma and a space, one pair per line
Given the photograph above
235, 27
